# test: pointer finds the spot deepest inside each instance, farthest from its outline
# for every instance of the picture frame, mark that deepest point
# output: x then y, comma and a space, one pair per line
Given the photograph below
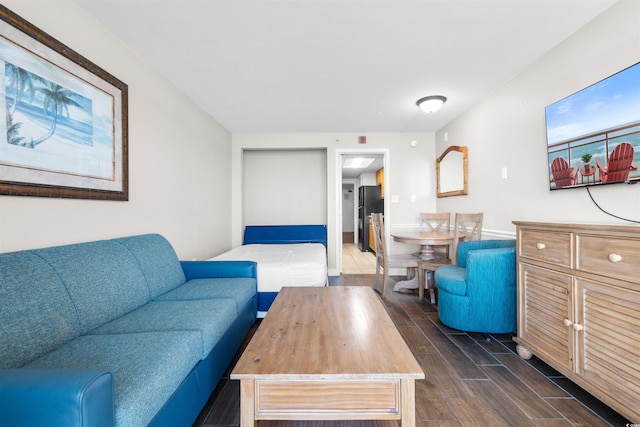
66, 128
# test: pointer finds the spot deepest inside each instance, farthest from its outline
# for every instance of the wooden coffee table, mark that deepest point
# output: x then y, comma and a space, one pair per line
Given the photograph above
327, 353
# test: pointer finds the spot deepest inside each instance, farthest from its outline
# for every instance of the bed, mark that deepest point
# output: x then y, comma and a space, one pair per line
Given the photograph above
287, 255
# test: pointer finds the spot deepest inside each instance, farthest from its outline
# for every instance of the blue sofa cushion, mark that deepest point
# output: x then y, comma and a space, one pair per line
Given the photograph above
241, 289
452, 279
157, 260
147, 367
102, 278
36, 312
210, 318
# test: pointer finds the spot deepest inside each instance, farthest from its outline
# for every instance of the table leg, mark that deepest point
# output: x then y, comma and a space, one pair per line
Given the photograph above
247, 403
407, 284
408, 402
427, 253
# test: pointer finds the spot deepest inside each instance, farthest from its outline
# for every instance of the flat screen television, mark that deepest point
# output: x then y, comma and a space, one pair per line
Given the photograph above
593, 136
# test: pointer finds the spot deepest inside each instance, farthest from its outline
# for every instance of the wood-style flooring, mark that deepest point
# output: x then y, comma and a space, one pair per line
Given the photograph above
471, 379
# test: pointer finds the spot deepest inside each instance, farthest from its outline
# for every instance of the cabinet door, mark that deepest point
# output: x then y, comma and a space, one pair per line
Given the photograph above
380, 180
609, 342
545, 314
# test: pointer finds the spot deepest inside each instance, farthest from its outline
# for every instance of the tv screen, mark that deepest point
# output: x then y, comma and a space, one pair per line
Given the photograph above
593, 136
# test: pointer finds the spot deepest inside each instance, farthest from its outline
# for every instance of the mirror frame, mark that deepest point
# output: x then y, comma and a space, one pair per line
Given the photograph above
465, 172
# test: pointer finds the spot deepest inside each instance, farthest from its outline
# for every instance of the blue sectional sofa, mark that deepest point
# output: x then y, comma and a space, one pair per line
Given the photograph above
117, 332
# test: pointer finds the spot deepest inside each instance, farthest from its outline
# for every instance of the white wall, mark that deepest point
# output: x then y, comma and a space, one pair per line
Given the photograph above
507, 129
409, 171
284, 187
179, 157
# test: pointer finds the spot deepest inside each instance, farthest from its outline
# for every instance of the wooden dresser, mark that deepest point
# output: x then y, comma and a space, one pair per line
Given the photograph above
579, 306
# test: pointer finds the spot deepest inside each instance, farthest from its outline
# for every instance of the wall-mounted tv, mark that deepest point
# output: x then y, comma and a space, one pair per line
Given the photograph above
593, 136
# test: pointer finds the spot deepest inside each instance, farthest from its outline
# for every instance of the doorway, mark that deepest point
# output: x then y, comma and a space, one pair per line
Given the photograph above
350, 179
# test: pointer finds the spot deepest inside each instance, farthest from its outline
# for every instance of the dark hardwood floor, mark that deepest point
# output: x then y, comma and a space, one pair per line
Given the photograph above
471, 379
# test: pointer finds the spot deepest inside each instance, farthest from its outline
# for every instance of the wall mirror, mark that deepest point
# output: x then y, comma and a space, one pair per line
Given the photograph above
451, 172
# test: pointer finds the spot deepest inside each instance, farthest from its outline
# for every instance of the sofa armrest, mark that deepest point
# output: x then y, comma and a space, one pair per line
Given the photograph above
208, 269
56, 397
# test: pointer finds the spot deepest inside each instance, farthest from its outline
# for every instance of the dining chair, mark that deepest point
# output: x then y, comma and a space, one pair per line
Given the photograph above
467, 227
385, 260
432, 222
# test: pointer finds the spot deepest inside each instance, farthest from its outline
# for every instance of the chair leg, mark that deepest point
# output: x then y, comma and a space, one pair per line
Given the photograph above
375, 284
431, 284
384, 283
421, 282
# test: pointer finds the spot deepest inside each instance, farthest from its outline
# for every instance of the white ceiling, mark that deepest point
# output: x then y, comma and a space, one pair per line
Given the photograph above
339, 65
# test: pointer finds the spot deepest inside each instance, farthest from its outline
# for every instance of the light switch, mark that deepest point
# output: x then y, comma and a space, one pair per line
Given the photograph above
504, 173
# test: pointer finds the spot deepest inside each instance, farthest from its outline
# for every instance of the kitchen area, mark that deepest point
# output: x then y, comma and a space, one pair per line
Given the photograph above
362, 195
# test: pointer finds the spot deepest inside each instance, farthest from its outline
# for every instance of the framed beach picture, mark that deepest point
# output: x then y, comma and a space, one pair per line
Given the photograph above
63, 127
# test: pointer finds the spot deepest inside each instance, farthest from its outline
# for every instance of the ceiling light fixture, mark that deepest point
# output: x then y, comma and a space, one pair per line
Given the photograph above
431, 104
357, 163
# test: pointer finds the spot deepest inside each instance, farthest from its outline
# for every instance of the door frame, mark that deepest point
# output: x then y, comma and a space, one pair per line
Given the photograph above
338, 191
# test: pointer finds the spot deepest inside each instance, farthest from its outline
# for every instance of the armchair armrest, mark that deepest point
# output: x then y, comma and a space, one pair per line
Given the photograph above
207, 269
603, 170
56, 397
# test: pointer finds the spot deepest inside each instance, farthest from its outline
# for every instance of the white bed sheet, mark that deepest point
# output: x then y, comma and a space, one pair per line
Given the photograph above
297, 264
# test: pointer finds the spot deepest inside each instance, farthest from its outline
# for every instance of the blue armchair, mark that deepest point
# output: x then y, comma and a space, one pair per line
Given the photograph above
479, 294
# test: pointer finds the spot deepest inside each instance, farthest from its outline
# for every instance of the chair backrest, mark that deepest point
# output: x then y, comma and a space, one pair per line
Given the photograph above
432, 222
620, 163
467, 227
377, 222
561, 172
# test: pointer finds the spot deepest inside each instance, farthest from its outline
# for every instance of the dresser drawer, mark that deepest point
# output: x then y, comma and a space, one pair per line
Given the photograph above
619, 257
546, 246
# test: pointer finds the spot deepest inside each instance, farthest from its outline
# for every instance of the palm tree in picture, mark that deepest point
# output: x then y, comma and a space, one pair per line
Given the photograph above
21, 82
13, 131
56, 103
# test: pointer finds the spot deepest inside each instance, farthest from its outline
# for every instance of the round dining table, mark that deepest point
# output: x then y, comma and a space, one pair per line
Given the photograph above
426, 240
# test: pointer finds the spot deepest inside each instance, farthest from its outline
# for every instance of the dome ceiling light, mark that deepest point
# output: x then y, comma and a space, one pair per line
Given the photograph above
431, 104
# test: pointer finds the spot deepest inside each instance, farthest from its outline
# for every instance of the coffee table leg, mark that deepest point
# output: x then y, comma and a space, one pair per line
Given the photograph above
247, 403
408, 402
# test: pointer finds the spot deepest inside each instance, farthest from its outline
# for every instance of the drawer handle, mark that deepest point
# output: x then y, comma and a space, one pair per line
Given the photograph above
615, 258
567, 322
577, 327
540, 246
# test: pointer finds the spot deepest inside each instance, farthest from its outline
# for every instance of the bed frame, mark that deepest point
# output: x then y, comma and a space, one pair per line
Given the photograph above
274, 234
282, 234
